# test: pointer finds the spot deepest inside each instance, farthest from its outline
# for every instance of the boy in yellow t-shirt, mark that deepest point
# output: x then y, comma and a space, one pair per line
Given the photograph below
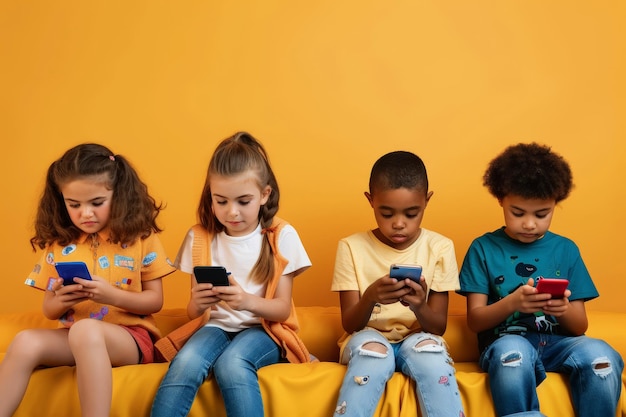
396, 324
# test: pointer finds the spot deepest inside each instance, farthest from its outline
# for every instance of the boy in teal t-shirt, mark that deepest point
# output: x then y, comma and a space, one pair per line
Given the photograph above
523, 333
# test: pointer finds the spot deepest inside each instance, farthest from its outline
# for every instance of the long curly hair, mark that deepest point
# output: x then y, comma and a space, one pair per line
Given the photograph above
235, 155
133, 210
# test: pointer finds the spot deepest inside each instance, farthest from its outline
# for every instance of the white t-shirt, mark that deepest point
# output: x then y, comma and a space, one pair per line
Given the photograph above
238, 254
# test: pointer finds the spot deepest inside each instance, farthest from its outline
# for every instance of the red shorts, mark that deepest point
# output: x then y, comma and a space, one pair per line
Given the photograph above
144, 343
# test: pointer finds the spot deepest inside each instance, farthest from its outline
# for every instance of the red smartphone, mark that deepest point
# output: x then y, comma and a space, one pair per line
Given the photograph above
554, 286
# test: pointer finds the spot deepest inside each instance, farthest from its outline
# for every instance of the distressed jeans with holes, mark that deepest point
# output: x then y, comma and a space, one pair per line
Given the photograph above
517, 364
429, 366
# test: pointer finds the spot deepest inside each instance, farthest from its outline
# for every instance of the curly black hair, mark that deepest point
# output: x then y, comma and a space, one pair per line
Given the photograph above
530, 171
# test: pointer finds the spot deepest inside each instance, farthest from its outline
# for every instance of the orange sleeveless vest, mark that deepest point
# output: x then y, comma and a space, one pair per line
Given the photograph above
283, 333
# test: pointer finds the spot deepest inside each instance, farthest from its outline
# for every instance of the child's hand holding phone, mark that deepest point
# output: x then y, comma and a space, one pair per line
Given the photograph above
67, 272
414, 273
206, 298
403, 271
215, 275
70, 270
553, 286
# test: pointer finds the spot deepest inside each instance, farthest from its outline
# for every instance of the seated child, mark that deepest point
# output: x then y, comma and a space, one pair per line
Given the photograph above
396, 324
522, 333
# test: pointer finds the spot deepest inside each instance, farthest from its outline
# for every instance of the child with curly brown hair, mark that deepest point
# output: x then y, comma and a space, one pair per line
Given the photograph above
96, 210
522, 332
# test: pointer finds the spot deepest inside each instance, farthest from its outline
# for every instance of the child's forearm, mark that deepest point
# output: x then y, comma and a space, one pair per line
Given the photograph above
431, 321
354, 321
142, 303
355, 311
487, 317
433, 316
148, 301
193, 310
52, 309
274, 309
146, 305
56, 304
574, 320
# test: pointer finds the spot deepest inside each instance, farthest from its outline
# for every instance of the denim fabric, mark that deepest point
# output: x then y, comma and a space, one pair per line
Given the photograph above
234, 359
516, 364
428, 365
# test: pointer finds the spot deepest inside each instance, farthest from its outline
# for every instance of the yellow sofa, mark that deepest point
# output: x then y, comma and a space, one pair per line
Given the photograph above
307, 390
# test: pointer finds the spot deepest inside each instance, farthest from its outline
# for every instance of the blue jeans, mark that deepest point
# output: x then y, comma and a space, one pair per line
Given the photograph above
429, 365
517, 364
234, 359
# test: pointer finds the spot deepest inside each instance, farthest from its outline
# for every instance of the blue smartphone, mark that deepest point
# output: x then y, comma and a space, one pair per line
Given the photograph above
69, 270
402, 271
215, 275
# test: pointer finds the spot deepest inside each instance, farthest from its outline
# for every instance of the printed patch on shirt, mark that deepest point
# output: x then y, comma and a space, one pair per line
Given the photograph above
36, 270
100, 314
124, 283
51, 282
103, 261
149, 258
124, 262
50, 258
68, 249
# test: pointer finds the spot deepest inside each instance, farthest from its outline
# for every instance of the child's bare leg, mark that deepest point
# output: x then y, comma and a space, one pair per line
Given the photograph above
29, 350
97, 346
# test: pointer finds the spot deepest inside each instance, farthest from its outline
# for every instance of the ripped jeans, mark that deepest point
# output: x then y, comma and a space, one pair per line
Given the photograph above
428, 364
517, 364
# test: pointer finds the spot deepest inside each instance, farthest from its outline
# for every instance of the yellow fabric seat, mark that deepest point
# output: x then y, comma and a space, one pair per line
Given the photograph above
307, 390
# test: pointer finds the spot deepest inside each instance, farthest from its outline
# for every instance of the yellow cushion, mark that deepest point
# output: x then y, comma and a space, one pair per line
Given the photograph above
309, 390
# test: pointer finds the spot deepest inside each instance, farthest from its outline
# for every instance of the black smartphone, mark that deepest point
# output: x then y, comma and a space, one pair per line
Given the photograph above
69, 270
402, 271
215, 275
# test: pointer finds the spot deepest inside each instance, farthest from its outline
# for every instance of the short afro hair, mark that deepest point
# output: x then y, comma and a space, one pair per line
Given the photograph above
530, 171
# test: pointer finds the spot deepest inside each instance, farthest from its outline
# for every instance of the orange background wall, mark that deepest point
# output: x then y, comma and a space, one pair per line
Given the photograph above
328, 86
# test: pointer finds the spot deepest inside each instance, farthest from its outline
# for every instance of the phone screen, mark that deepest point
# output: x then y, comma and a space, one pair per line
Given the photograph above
215, 275
401, 271
69, 270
